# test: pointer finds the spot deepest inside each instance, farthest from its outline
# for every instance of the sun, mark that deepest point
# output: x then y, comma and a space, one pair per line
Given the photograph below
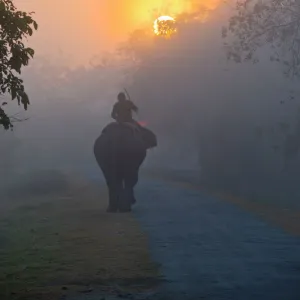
164, 26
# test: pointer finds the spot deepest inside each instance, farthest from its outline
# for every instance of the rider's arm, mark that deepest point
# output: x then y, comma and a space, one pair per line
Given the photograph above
134, 107
114, 113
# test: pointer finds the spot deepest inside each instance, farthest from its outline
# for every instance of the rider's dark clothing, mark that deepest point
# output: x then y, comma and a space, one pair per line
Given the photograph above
122, 111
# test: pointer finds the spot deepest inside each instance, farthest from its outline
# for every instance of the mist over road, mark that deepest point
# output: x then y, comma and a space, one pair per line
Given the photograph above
210, 249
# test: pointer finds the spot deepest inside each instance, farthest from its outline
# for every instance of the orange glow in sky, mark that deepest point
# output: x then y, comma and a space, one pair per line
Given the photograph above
124, 16
84, 28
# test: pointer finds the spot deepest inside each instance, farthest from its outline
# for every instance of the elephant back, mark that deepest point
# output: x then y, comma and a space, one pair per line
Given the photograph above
126, 138
120, 138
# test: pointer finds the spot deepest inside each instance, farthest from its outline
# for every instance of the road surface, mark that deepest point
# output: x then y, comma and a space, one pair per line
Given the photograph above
210, 249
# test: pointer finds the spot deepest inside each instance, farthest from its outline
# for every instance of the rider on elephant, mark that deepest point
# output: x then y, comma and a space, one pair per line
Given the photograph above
122, 110
120, 152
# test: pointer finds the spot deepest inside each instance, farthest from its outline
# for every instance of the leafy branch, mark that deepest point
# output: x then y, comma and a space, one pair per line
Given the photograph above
15, 26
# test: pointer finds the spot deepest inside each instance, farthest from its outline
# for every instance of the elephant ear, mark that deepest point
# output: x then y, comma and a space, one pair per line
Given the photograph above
149, 138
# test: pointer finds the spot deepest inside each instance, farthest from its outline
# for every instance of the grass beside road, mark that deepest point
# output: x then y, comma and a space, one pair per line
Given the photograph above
66, 242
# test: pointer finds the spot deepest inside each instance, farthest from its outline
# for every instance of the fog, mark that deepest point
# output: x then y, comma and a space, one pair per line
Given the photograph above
217, 119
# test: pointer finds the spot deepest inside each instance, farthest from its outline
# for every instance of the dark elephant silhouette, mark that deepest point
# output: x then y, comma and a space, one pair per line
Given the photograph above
120, 150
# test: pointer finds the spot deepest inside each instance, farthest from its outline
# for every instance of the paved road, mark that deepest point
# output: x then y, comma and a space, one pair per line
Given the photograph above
209, 249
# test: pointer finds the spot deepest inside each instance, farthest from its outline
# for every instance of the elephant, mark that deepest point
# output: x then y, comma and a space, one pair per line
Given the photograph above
120, 151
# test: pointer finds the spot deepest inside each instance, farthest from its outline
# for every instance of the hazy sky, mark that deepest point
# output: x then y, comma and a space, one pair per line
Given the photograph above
84, 28
213, 107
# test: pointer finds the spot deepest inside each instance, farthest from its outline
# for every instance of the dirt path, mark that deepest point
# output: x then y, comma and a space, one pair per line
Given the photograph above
210, 249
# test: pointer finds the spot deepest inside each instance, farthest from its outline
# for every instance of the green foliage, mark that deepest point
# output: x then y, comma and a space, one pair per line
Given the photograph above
15, 26
257, 23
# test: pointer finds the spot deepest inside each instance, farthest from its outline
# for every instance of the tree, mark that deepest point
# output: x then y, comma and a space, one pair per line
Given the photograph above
15, 26
258, 23
274, 24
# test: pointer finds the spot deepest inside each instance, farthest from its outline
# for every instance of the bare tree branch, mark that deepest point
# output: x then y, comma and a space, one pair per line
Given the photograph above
260, 23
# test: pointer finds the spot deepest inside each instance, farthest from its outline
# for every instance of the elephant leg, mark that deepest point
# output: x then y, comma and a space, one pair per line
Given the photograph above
132, 176
113, 199
126, 197
130, 181
111, 187
124, 200
115, 190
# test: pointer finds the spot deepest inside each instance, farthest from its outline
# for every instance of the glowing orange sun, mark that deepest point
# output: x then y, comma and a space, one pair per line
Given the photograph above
164, 26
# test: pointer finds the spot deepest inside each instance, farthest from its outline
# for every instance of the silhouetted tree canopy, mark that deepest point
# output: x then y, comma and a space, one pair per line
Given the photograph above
15, 26
258, 23
272, 24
